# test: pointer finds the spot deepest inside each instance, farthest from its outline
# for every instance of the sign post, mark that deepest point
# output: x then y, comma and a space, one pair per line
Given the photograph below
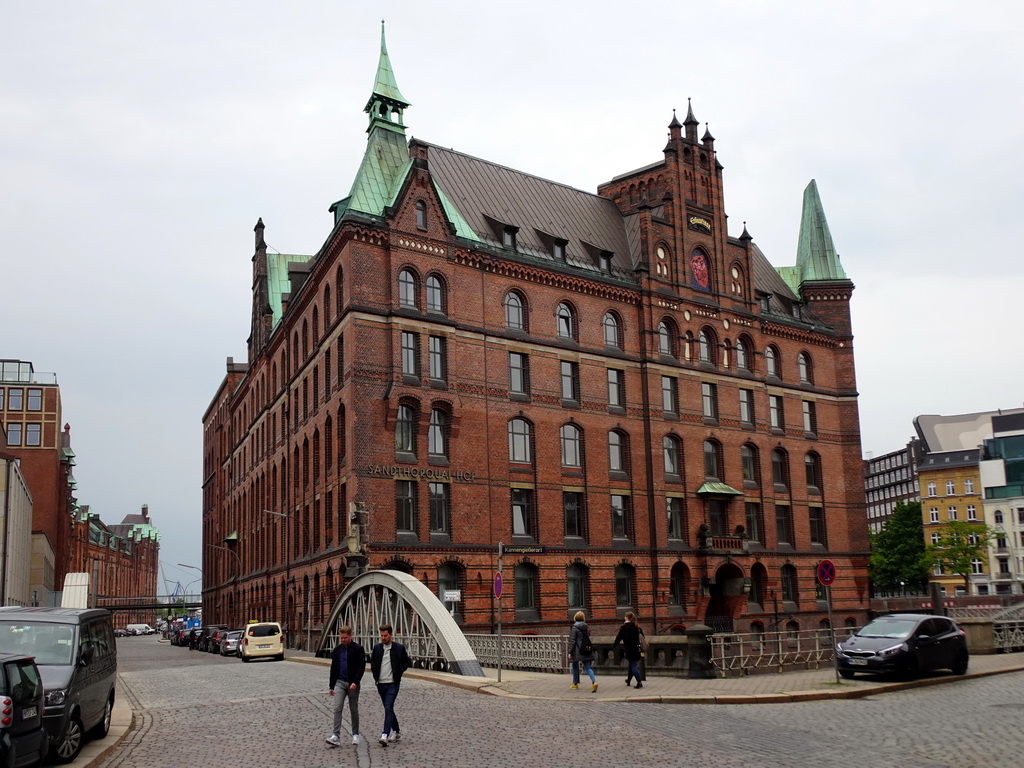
498, 588
826, 574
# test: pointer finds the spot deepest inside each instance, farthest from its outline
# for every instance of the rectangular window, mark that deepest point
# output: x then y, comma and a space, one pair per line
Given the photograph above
933, 515
674, 508
810, 417
572, 507
951, 513
972, 512
951, 487
620, 516
409, 367
709, 400
13, 433
439, 506
775, 414
14, 399
976, 566
35, 400
669, 395
405, 505
518, 373
931, 489
33, 434
753, 520
522, 512
2, 393
817, 518
570, 381
968, 486
438, 358
616, 388
747, 406
783, 530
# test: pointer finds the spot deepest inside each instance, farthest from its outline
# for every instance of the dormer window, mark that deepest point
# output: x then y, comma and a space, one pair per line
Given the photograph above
605, 260
558, 249
508, 237
796, 311
765, 302
421, 215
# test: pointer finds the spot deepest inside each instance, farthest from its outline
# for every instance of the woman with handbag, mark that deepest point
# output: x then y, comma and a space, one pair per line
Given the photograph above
630, 635
581, 651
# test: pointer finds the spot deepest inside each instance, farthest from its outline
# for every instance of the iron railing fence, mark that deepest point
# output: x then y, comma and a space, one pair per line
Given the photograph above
540, 653
742, 654
1009, 635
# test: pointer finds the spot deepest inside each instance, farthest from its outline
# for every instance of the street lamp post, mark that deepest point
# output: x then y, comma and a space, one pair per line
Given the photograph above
238, 574
309, 592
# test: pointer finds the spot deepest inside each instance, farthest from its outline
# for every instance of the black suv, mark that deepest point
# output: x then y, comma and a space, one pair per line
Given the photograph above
904, 643
23, 740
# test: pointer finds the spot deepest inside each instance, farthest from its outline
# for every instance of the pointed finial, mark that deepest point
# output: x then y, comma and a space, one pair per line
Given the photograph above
745, 235
675, 120
690, 119
707, 134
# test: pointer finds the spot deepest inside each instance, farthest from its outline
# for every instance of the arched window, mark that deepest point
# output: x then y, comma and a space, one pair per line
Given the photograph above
700, 272
435, 295
749, 463
527, 587
780, 468
670, 452
742, 354
339, 289
316, 324
736, 280
712, 460
612, 330
706, 346
803, 367
519, 451
421, 215
572, 446
515, 312
617, 451
771, 361
407, 288
566, 320
812, 471
790, 588
758, 584
576, 586
437, 434
625, 585
677, 585
405, 429
666, 340
327, 307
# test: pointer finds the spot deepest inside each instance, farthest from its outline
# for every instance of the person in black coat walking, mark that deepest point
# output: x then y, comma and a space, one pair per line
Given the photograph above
387, 663
348, 663
581, 651
629, 635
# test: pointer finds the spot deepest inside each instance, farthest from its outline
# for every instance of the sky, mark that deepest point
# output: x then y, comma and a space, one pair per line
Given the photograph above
141, 141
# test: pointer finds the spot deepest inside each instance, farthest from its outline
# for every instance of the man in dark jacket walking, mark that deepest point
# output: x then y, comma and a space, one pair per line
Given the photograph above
387, 662
348, 663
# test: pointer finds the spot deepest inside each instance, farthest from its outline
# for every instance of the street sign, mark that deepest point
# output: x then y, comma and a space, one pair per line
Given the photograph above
524, 550
453, 595
497, 585
826, 572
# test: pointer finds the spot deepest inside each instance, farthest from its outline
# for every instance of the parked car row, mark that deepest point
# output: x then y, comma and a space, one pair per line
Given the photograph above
134, 629
256, 640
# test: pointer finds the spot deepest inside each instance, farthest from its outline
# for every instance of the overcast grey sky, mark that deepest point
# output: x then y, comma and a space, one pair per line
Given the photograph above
140, 142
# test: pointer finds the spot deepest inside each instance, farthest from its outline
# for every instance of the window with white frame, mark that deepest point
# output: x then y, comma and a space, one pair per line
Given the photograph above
932, 490
951, 487
968, 485
933, 515
951, 513
972, 512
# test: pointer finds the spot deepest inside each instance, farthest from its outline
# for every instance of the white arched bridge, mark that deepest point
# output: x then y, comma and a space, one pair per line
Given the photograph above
420, 621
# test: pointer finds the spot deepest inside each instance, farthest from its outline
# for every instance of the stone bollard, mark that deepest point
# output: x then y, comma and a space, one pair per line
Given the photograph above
698, 653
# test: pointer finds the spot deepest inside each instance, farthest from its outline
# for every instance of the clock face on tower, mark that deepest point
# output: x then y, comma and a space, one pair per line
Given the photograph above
700, 276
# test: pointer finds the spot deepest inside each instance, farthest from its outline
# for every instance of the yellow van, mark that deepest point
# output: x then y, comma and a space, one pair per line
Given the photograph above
262, 639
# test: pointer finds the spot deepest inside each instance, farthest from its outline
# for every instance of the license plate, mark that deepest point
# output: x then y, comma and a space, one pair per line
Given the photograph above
29, 712
263, 646
859, 662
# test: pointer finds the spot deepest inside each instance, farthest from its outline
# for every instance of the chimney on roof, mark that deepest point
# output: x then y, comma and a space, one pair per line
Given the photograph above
145, 512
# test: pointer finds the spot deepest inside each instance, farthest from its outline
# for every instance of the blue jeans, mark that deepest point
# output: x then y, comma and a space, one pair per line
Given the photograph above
388, 693
576, 671
634, 671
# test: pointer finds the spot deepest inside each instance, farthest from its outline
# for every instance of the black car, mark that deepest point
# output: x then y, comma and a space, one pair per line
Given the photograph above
23, 740
906, 644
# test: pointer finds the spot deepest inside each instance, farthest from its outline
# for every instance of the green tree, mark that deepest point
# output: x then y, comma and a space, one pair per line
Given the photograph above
898, 557
959, 543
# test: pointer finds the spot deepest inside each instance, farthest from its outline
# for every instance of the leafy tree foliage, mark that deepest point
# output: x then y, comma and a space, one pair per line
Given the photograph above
898, 551
959, 543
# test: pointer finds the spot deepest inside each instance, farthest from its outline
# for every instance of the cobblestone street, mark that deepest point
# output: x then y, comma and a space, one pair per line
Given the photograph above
194, 708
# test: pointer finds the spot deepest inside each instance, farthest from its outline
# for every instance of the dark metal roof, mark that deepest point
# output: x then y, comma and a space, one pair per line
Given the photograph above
485, 193
949, 460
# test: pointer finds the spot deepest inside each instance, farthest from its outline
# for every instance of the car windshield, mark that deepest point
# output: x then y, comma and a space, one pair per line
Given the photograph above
897, 629
49, 643
263, 630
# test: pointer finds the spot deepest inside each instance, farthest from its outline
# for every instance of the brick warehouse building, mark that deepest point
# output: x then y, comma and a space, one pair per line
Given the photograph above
646, 411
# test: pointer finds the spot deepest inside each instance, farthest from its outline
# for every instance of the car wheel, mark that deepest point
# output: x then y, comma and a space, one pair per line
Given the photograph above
960, 665
846, 673
99, 730
71, 743
911, 669
280, 657
245, 659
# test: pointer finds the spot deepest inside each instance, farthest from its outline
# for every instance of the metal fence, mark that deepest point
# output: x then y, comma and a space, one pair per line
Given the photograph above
540, 653
743, 654
1009, 635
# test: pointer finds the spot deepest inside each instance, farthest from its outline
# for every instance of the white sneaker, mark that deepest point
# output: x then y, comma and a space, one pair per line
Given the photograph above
333, 740
383, 739
355, 739
394, 736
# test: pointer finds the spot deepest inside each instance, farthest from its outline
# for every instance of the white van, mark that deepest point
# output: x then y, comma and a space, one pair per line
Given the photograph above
140, 629
262, 639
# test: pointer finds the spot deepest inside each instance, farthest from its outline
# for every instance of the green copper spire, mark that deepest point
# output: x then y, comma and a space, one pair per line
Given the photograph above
816, 257
387, 102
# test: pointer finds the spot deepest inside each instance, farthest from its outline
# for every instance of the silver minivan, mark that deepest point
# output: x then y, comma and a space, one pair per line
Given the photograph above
76, 653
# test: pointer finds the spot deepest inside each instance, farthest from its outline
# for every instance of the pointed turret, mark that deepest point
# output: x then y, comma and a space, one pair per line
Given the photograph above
386, 104
816, 256
691, 123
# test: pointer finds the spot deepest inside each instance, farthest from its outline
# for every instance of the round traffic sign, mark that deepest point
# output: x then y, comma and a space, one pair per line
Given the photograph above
826, 572
497, 585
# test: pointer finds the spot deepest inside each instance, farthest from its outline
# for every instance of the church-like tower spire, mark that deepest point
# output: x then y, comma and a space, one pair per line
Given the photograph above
387, 104
816, 257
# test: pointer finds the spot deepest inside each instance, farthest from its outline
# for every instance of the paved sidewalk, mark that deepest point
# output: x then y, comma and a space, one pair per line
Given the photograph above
771, 688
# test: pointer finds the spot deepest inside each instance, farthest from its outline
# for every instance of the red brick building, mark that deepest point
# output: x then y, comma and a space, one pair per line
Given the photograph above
639, 405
